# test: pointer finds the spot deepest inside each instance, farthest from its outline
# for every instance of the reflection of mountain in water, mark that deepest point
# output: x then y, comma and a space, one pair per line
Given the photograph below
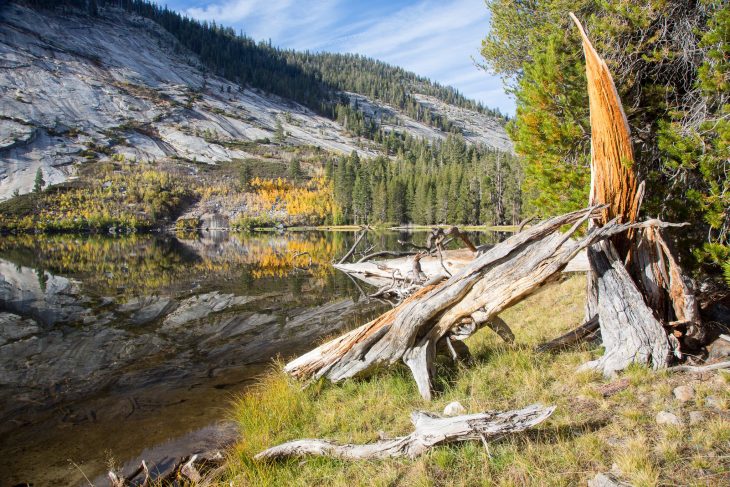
121, 344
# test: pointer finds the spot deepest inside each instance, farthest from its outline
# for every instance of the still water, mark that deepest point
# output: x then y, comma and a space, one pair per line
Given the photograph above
119, 349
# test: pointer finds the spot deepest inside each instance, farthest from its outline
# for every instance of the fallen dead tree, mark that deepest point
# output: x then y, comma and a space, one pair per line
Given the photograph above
429, 430
380, 273
500, 277
584, 332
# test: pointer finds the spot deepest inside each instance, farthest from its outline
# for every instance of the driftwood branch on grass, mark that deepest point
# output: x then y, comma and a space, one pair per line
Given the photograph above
429, 430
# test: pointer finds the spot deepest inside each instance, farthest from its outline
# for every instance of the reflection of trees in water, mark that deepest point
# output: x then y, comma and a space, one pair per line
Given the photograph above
140, 264
146, 264
42, 279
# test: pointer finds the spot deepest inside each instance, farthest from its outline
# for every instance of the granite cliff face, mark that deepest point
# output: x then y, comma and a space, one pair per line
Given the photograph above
75, 89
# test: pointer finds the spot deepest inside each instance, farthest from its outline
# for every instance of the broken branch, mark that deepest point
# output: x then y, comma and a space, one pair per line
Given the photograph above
430, 430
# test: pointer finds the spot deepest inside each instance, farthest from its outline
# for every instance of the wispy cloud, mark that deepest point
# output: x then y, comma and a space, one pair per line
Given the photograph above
437, 39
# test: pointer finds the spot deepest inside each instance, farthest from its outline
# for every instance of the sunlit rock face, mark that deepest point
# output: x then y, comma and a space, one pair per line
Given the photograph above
122, 82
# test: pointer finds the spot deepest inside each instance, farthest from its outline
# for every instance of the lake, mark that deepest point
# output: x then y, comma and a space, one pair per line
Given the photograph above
114, 350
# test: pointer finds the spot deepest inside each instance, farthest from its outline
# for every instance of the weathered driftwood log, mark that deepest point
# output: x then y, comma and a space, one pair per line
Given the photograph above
379, 273
512, 269
499, 278
429, 430
700, 368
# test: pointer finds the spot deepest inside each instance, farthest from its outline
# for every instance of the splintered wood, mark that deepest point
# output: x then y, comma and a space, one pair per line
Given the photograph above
635, 284
613, 178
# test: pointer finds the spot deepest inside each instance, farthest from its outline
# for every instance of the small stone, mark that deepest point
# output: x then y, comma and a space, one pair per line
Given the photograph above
603, 480
719, 349
667, 418
684, 393
696, 417
454, 409
714, 402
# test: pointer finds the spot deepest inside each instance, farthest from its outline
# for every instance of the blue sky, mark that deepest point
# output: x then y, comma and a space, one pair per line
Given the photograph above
433, 38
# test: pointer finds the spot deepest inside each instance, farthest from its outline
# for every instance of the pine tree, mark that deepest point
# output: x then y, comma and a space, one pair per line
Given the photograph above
295, 169
361, 199
380, 203
279, 134
39, 181
245, 174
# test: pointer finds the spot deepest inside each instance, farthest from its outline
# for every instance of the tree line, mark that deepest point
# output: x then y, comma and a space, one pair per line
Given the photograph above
442, 182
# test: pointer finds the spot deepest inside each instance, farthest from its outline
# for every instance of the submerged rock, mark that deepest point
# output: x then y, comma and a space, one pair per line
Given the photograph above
145, 310
14, 327
200, 306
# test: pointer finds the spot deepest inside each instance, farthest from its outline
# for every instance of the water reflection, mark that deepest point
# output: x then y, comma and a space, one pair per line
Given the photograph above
111, 346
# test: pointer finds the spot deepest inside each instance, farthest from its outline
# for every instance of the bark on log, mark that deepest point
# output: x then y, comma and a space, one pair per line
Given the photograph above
630, 332
429, 430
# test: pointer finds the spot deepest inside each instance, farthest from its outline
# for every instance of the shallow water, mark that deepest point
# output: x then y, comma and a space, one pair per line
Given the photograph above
123, 349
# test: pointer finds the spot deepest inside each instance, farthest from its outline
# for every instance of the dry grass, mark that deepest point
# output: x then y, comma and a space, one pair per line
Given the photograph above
588, 433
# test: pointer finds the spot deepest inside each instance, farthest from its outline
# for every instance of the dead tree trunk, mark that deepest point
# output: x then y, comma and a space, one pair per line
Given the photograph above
635, 285
508, 272
430, 430
630, 332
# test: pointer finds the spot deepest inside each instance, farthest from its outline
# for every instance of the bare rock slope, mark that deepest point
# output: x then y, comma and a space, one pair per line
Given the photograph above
70, 83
